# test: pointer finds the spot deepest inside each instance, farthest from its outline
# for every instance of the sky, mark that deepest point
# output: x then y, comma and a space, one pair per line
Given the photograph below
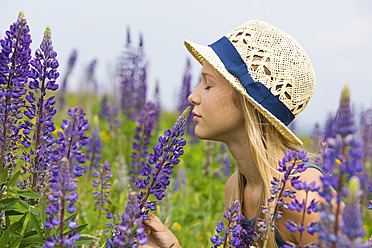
337, 36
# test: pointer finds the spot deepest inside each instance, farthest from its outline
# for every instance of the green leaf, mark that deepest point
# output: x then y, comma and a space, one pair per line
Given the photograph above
36, 224
15, 243
8, 202
34, 239
4, 177
12, 212
25, 223
84, 239
4, 239
26, 193
78, 229
13, 179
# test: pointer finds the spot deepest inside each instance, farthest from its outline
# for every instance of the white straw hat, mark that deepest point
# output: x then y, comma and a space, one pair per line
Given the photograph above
265, 65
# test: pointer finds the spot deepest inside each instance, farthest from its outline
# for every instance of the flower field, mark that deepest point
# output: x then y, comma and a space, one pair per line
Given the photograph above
83, 169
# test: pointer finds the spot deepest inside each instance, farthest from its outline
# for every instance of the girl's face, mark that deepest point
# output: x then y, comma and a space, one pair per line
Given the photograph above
217, 109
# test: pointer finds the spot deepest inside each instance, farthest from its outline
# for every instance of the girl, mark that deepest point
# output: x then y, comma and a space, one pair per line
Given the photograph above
254, 81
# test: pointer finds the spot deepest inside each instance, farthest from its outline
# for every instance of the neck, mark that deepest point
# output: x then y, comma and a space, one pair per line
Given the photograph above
242, 154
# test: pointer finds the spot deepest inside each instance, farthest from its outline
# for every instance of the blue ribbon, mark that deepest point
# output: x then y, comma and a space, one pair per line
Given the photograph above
234, 64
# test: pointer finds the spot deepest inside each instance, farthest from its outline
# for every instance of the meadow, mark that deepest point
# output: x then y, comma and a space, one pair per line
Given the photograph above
69, 161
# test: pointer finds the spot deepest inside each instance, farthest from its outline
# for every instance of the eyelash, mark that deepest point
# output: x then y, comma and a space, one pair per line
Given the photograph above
207, 87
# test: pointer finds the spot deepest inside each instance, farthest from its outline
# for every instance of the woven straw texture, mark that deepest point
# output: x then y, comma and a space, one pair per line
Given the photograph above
273, 58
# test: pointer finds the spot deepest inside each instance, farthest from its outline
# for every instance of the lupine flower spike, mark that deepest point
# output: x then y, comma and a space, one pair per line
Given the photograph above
62, 198
38, 137
341, 159
292, 161
223, 158
141, 141
233, 234
130, 232
101, 182
72, 141
160, 163
15, 55
305, 208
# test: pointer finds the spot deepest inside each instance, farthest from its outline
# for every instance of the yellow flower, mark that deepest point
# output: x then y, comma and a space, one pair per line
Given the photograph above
105, 137
177, 226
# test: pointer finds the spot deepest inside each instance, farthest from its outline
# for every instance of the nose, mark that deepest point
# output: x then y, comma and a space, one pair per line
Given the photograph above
194, 97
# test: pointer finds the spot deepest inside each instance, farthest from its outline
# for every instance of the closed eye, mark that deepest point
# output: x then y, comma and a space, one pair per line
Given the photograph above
207, 87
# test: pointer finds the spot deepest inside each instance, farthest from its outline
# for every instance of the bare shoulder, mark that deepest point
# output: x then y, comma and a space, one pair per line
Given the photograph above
229, 187
309, 175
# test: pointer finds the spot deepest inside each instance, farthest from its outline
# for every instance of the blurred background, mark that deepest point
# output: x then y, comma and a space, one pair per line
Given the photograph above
337, 35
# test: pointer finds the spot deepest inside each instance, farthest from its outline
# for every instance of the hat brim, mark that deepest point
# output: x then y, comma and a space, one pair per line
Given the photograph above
202, 53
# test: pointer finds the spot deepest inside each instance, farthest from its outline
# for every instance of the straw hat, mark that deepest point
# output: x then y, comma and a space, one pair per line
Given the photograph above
265, 65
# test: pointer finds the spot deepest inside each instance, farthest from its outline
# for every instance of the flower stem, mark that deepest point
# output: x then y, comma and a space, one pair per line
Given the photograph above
156, 175
303, 220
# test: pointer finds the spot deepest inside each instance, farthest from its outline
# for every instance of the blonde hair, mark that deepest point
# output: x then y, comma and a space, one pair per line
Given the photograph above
268, 147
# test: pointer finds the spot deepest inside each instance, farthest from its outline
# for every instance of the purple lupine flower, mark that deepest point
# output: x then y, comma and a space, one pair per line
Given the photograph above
344, 121
342, 158
62, 198
159, 168
316, 137
133, 74
94, 148
180, 180
352, 220
15, 55
369, 206
70, 143
130, 232
366, 133
328, 129
157, 103
239, 236
305, 208
102, 184
184, 103
110, 112
141, 85
292, 161
223, 158
90, 75
70, 66
43, 79
141, 141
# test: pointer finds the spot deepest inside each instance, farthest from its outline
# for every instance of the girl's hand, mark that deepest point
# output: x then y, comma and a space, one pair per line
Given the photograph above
159, 236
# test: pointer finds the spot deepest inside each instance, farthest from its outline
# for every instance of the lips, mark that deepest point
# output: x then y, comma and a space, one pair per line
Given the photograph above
196, 116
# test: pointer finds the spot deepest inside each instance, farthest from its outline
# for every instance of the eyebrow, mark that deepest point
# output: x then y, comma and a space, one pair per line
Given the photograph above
204, 74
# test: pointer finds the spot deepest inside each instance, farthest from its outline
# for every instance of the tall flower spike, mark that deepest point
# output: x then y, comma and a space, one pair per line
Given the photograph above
102, 184
239, 237
62, 197
130, 232
341, 159
70, 66
15, 55
94, 147
306, 208
91, 79
352, 220
223, 158
160, 163
38, 137
72, 141
344, 121
292, 161
141, 141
